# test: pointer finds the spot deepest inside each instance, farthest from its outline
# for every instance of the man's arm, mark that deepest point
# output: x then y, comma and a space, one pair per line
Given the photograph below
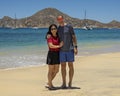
74, 40
75, 44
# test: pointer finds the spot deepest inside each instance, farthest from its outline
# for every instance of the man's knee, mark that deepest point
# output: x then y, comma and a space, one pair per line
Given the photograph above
70, 64
63, 65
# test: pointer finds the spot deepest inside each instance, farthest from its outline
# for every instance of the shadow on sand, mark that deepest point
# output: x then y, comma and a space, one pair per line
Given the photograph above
66, 88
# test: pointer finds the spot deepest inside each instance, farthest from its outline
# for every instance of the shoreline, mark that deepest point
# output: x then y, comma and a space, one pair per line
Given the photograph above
48, 27
35, 66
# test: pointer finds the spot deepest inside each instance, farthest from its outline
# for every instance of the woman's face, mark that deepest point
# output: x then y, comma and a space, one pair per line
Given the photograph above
53, 30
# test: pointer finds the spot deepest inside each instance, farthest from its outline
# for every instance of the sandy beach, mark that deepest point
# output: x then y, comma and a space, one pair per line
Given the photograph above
97, 75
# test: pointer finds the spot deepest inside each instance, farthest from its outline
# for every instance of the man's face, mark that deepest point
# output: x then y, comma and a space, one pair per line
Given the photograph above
60, 19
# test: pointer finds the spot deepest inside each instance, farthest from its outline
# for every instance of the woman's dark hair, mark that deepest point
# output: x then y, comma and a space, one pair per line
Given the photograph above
49, 30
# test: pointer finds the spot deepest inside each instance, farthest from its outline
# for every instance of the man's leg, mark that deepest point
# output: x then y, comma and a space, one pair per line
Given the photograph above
71, 73
63, 71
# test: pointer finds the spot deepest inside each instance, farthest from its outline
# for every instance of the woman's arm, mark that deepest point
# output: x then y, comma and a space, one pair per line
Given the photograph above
55, 46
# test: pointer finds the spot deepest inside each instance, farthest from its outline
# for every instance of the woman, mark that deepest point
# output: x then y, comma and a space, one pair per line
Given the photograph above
53, 54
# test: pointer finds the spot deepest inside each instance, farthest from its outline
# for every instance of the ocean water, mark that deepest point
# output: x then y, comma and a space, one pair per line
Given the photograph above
27, 47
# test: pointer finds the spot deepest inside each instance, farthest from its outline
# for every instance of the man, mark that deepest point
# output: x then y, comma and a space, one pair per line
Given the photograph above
67, 36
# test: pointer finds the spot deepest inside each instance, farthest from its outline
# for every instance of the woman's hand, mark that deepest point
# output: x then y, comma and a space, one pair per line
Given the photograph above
61, 44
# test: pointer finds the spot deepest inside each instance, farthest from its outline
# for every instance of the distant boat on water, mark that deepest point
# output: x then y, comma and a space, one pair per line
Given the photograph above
86, 25
15, 23
87, 28
35, 28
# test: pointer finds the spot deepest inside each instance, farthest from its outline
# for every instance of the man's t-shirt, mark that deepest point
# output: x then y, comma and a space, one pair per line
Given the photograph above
65, 34
54, 41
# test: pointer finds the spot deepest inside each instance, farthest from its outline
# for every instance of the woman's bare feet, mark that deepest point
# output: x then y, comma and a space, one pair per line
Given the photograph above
49, 85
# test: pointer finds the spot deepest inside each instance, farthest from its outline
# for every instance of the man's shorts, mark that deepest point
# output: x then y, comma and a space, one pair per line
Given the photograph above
67, 56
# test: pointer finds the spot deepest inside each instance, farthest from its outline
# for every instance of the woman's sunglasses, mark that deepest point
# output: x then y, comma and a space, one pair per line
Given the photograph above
53, 28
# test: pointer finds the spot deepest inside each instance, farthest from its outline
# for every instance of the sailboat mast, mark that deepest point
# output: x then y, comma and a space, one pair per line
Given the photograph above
85, 14
85, 19
15, 21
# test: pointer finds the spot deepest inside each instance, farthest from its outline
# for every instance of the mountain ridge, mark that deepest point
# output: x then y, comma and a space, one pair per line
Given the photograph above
47, 16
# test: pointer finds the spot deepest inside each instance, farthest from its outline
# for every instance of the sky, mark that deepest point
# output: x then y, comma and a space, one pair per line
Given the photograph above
101, 10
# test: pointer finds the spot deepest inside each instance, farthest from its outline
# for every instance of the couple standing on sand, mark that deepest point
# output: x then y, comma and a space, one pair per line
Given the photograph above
62, 45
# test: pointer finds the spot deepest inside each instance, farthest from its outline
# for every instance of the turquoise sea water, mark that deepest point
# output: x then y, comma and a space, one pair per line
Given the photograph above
28, 47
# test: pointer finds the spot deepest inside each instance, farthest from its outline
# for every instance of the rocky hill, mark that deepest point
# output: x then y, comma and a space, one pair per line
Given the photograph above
48, 16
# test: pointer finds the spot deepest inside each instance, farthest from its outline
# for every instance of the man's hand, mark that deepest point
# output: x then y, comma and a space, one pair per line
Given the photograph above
48, 36
75, 51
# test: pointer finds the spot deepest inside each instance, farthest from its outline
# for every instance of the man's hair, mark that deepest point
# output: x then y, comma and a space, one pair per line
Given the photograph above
59, 16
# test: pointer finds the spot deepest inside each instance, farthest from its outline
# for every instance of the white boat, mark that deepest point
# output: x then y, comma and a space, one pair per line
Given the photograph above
35, 27
86, 25
87, 28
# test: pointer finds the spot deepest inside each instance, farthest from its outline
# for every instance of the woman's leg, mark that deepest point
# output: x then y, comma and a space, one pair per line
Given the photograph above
56, 70
50, 75
53, 70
